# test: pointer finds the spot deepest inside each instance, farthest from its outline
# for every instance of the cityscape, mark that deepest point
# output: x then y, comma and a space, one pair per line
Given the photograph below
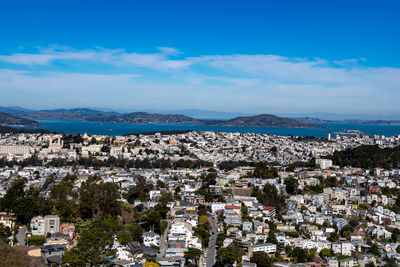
200, 133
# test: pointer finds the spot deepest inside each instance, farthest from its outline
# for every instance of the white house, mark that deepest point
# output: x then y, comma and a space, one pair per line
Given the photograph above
151, 238
267, 248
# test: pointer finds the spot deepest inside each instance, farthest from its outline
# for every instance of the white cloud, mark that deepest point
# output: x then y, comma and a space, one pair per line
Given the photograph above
255, 81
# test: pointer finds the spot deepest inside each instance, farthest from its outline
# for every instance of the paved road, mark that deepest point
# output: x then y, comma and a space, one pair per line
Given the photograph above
163, 244
212, 245
21, 236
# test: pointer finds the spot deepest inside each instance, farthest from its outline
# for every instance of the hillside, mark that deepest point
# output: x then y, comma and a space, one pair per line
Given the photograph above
6, 119
263, 120
13, 257
63, 114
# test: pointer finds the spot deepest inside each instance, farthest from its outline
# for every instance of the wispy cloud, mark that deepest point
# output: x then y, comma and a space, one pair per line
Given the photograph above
117, 57
258, 81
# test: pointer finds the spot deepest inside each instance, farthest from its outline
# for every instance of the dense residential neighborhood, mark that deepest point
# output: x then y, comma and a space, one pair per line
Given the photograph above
201, 199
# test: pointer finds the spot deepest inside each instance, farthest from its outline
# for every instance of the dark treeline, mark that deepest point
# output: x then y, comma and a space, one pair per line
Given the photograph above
94, 208
110, 162
6, 129
368, 157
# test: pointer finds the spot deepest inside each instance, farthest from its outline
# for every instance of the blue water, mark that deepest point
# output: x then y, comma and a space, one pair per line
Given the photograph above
76, 126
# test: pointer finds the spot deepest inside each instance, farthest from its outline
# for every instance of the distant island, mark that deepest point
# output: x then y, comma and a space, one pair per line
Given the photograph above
372, 122
11, 120
263, 120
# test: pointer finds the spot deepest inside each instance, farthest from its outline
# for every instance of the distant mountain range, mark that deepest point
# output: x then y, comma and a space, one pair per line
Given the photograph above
23, 117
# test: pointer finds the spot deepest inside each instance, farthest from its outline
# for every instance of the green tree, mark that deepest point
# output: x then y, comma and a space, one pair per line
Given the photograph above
205, 221
333, 237
136, 232
220, 239
291, 185
226, 256
193, 254
374, 249
272, 238
269, 197
64, 198
94, 245
140, 191
13, 194
326, 253
98, 199
300, 254
124, 237
5, 233
262, 259
244, 210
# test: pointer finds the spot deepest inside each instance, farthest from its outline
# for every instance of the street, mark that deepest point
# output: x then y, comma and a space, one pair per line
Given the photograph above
212, 244
163, 245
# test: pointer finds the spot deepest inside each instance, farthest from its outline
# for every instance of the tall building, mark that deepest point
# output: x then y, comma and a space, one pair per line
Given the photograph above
43, 225
15, 150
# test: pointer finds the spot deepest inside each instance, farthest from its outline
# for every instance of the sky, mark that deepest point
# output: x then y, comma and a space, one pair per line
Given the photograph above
236, 56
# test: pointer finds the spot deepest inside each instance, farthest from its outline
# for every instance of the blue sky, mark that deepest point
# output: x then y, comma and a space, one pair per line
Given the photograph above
248, 56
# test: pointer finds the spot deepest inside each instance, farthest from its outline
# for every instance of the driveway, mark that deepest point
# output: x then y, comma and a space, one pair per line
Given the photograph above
21, 236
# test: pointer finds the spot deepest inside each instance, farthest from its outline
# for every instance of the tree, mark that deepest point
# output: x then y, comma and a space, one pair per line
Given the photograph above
140, 191
13, 194
353, 222
98, 199
244, 210
262, 259
5, 233
93, 247
193, 254
205, 221
291, 185
269, 197
226, 256
220, 239
136, 232
374, 249
64, 197
151, 264
299, 254
326, 253
390, 262
23, 204
272, 238
124, 237
202, 232
395, 235
333, 237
